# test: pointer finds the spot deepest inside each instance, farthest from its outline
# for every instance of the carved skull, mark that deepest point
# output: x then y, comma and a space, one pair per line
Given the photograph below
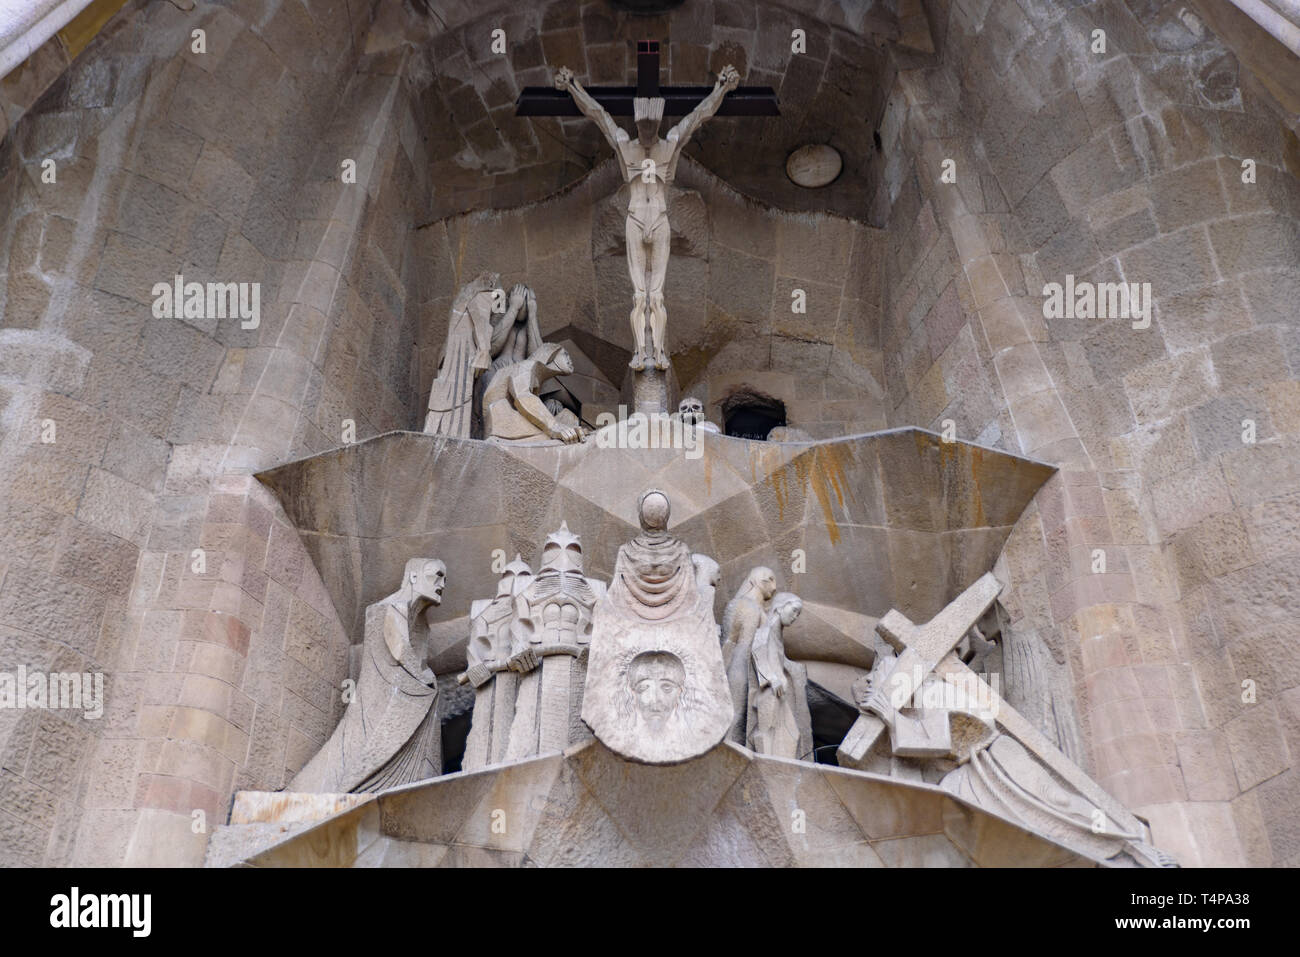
691, 410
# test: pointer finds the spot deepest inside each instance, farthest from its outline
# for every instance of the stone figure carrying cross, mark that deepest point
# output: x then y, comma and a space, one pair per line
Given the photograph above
648, 165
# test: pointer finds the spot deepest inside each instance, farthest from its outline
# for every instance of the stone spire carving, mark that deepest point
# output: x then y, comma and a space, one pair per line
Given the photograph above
551, 635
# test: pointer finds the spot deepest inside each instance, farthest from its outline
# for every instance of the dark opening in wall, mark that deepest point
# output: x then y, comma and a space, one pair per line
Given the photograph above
831, 719
455, 709
749, 414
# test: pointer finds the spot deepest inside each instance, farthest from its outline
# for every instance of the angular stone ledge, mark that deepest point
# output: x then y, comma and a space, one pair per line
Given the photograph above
728, 808
887, 519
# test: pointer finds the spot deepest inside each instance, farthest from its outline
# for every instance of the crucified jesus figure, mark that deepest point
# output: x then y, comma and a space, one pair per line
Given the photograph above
649, 165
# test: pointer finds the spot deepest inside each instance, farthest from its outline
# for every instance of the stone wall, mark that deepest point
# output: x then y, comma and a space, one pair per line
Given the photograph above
222, 663
1121, 165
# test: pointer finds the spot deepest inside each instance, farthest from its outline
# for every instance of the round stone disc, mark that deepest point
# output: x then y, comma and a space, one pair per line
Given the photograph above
814, 165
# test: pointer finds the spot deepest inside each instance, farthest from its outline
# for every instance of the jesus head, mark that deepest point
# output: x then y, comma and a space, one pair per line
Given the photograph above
648, 111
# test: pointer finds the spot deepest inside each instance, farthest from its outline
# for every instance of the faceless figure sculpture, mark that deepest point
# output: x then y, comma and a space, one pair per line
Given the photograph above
648, 165
492, 624
551, 634
778, 721
740, 622
691, 412
390, 733
486, 331
512, 408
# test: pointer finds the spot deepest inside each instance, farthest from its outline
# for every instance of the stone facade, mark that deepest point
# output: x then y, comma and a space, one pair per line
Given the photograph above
923, 309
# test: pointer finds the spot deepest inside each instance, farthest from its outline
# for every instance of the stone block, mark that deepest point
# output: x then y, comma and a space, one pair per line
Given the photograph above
1257, 745
1248, 243
1219, 425
1186, 196
1172, 263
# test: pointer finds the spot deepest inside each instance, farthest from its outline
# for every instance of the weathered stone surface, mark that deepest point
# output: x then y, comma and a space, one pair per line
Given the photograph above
836, 492
225, 166
725, 808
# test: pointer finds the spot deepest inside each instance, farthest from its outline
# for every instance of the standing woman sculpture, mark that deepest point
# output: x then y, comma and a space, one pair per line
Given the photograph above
778, 721
649, 165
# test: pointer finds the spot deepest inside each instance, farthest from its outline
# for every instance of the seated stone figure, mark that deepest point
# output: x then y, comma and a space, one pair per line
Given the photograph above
512, 408
656, 689
390, 733
486, 330
777, 718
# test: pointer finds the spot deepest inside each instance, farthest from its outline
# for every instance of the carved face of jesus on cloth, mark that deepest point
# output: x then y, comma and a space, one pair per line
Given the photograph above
656, 679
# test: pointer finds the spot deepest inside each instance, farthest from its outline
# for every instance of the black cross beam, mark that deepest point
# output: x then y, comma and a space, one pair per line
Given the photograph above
617, 100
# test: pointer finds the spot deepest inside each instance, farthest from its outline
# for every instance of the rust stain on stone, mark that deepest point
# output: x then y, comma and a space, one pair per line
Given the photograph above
822, 471
777, 479
950, 461
976, 464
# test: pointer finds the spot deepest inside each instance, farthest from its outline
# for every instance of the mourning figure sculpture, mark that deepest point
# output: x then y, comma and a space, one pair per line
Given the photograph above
390, 733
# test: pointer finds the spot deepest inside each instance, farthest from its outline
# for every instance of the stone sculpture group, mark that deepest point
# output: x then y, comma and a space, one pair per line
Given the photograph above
497, 379
556, 657
494, 364
640, 663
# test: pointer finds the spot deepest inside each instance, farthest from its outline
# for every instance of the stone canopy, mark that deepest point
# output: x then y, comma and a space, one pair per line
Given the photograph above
587, 807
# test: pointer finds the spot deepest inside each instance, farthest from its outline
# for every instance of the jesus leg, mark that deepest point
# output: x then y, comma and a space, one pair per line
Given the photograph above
660, 237
636, 271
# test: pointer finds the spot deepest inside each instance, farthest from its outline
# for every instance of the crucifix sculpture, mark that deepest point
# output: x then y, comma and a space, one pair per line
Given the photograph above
649, 164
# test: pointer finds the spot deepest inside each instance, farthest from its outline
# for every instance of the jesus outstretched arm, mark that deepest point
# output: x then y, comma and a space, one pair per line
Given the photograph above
565, 80
728, 80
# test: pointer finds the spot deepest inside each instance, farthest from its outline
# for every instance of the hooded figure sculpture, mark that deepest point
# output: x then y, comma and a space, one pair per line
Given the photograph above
485, 330
656, 689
